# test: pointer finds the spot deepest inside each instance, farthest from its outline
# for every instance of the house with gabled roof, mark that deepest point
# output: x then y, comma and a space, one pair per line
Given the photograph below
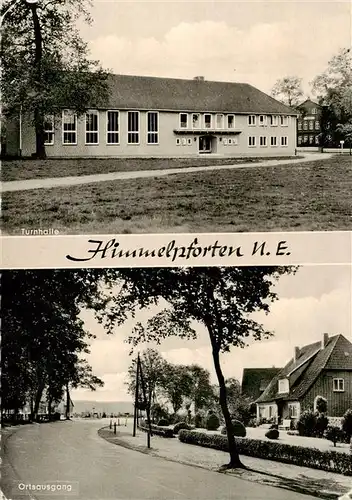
322, 368
166, 117
256, 380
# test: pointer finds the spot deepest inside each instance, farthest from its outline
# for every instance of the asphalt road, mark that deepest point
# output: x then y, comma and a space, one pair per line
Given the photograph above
71, 454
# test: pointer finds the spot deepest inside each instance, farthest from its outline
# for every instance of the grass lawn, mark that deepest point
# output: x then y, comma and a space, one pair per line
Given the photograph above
304, 196
16, 170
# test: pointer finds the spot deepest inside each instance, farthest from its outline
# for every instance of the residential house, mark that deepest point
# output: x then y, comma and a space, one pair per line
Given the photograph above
166, 117
322, 368
256, 380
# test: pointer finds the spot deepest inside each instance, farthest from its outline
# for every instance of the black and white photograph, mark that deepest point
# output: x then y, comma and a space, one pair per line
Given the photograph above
175, 117
165, 383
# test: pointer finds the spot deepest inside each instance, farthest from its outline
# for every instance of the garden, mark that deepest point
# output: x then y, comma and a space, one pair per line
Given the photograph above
317, 442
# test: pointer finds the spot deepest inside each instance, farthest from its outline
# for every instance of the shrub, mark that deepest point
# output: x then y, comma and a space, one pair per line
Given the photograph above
252, 422
321, 404
334, 434
274, 426
307, 423
213, 422
347, 423
158, 431
328, 460
239, 429
163, 421
181, 425
198, 420
321, 424
158, 412
272, 434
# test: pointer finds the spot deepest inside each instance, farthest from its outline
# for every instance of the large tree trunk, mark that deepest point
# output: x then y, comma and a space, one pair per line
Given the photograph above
50, 401
68, 403
38, 113
39, 135
37, 400
235, 461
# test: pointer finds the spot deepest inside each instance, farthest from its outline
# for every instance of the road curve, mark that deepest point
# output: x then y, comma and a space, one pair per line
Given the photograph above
72, 453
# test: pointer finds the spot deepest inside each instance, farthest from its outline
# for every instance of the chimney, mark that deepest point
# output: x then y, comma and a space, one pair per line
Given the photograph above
199, 78
325, 340
297, 353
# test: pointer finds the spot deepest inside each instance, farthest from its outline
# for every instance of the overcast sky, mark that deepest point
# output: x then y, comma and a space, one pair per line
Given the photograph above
316, 300
253, 41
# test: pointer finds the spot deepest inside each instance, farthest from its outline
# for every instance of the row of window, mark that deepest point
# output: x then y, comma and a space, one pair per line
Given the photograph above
305, 139
69, 128
338, 385
231, 141
220, 121
308, 125
263, 141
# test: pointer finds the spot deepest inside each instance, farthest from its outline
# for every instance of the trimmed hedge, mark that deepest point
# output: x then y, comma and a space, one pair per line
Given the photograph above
181, 425
166, 432
272, 434
163, 421
330, 461
238, 428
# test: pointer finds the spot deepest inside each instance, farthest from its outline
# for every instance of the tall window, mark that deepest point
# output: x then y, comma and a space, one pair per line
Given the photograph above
207, 121
338, 385
293, 410
133, 127
251, 141
274, 120
219, 121
273, 141
183, 120
69, 127
230, 121
305, 125
251, 120
317, 125
299, 139
152, 127
311, 125
262, 141
196, 120
284, 121
262, 120
49, 130
299, 125
92, 119
112, 127
284, 141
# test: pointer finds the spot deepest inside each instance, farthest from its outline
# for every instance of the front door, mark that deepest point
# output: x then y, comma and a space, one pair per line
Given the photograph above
205, 144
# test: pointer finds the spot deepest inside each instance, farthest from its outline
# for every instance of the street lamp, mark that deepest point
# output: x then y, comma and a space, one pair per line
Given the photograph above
8, 9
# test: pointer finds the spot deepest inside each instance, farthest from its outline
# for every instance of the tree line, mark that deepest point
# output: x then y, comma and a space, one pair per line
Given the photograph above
176, 391
333, 91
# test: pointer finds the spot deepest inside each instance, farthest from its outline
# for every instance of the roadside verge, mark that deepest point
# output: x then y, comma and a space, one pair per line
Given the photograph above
303, 480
